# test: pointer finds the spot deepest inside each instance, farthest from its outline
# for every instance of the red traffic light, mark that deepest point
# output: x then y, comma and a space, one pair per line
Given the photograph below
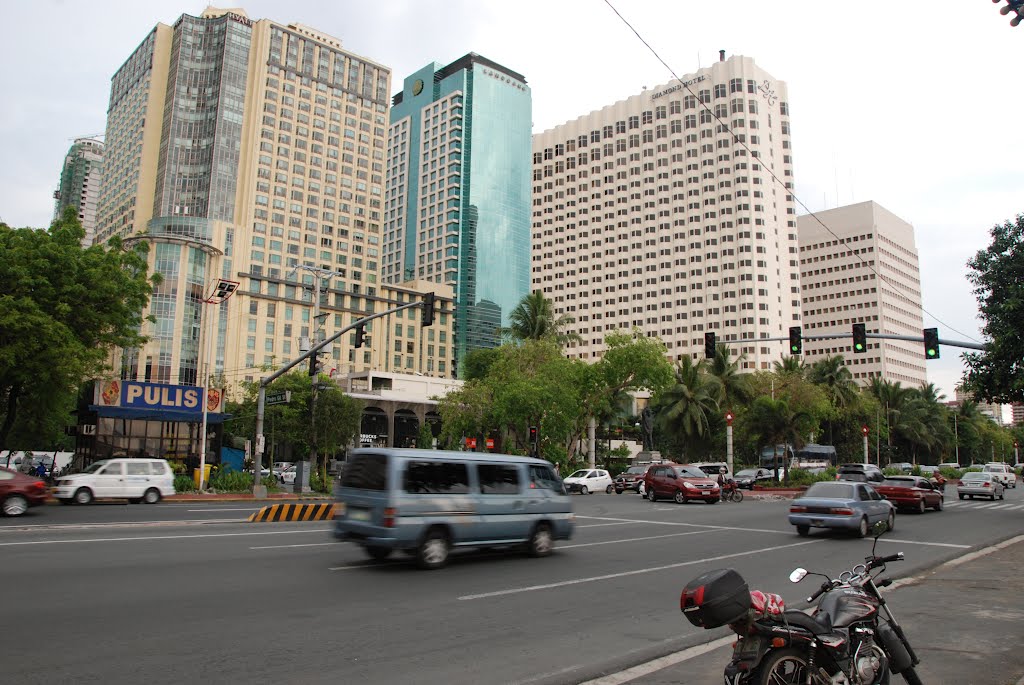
864, 430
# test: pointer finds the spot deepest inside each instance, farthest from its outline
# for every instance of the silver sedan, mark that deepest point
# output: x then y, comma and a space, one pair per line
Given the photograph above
974, 484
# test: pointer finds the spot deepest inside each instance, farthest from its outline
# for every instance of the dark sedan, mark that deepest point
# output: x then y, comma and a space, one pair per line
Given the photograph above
748, 478
18, 492
910, 492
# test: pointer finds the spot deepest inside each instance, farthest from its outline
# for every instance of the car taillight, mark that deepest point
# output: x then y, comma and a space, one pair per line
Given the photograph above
389, 517
39, 485
987, 485
841, 511
797, 509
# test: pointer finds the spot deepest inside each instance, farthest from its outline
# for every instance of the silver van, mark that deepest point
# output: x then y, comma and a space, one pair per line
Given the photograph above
426, 502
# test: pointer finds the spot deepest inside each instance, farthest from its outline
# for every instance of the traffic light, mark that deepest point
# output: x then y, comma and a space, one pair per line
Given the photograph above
427, 315
931, 343
796, 341
860, 338
709, 345
360, 335
316, 367
534, 440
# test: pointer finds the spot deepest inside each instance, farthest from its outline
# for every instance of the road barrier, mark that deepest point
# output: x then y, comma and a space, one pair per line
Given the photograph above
294, 512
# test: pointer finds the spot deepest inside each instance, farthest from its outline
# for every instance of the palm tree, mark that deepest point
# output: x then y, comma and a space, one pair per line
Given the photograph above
732, 385
832, 374
683, 411
790, 366
534, 319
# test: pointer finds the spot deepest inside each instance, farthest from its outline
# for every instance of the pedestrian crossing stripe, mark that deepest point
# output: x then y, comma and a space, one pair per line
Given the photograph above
1005, 506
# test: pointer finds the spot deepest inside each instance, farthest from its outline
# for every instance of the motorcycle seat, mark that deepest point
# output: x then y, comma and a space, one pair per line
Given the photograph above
808, 622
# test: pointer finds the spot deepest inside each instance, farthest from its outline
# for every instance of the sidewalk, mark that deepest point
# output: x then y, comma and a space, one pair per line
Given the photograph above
963, 619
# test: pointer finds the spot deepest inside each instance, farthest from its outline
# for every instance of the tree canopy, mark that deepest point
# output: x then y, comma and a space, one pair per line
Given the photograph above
62, 309
997, 273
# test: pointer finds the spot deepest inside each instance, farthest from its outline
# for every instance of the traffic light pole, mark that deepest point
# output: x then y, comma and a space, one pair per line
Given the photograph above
835, 336
258, 489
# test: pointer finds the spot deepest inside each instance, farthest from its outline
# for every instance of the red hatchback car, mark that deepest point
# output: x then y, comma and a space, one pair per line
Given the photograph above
18, 492
910, 492
681, 483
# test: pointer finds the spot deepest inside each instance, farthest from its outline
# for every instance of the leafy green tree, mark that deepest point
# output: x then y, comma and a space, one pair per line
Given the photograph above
732, 385
775, 423
534, 319
62, 310
790, 366
997, 273
834, 377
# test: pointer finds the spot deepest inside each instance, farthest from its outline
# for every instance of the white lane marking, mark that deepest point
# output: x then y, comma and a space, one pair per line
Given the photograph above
219, 509
311, 544
987, 506
692, 525
162, 537
658, 664
598, 525
652, 569
111, 524
931, 544
619, 542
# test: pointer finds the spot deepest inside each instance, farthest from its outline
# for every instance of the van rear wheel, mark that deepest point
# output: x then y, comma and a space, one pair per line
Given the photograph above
541, 541
151, 496
83, 496
433, 550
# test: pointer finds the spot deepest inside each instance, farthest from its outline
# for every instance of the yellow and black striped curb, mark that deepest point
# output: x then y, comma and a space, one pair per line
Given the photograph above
294, 512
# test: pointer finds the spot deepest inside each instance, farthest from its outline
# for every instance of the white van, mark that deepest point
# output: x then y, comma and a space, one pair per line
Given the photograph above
426, 502
137, 480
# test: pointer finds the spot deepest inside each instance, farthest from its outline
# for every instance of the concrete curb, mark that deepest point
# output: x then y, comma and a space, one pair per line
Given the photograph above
228, 497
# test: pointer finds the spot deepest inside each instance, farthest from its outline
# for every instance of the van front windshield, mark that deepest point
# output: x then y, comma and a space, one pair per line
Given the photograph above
96, 466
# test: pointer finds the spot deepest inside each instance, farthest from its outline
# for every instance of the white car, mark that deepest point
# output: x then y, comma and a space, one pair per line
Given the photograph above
1001, 472
287, 475
137, 480
589, 481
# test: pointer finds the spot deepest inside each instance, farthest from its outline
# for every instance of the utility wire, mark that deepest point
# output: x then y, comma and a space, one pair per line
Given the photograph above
789, 191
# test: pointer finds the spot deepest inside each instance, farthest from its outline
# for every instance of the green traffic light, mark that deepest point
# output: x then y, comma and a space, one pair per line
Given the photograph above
859, 346
931, 352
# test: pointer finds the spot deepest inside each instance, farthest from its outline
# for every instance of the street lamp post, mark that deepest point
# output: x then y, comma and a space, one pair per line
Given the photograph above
728, 439
221, 292
864, 430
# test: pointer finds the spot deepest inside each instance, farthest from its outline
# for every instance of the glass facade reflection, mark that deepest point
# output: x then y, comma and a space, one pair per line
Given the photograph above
459, 186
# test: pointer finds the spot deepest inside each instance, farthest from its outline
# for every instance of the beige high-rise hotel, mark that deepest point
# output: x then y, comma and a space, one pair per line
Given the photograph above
862, 268
254, 151
659, 212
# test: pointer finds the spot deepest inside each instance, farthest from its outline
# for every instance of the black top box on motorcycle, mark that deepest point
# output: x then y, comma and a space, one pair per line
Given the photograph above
715, 598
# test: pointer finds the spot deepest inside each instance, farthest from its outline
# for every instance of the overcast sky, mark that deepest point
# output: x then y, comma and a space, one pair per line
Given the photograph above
916, 106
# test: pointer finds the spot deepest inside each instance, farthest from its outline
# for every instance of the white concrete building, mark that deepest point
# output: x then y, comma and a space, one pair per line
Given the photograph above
858, 264
661, 212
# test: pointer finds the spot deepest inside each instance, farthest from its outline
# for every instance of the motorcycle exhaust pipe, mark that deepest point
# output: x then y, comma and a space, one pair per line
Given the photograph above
899, 658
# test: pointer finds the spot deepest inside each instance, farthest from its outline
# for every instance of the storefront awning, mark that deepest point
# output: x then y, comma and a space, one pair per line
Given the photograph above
157, 414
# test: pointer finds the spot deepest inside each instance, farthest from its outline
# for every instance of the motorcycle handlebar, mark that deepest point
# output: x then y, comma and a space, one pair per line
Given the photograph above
825, 587
878, 561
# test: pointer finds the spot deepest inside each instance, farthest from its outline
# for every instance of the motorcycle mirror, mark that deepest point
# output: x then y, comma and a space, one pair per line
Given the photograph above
798, 575
879, 528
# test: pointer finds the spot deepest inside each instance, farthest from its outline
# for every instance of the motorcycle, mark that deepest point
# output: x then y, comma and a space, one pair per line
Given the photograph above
851, 638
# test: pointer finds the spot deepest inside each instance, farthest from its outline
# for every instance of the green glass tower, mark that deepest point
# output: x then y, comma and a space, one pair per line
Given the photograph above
458, 192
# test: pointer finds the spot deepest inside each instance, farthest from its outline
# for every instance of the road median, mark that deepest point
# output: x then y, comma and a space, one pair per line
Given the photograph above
294, 512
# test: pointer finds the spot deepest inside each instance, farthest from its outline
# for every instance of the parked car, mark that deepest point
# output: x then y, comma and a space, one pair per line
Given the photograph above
748, 478
287, 475
843, 505
18, 492
861, 473
280, 466
979, 484
630, 479
137, 480
904, 466
589, 481
910, 492
1003, 473
428, 502
681, 483
949, 465
713, 468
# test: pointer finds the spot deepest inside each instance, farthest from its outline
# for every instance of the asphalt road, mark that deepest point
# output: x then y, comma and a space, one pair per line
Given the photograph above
115, 593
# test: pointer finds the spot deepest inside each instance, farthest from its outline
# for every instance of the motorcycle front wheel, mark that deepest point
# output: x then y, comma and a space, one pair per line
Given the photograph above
910, 675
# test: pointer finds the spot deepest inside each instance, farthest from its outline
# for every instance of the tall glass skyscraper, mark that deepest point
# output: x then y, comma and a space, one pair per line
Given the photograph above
458, 192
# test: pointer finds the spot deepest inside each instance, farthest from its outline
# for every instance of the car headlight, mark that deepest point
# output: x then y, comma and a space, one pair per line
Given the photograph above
688, 485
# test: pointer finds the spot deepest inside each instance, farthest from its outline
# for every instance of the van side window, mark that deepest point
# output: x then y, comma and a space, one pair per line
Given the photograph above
436, 477
498, 479
138, 468
366, 472
544, 477
158, 468
113, 469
